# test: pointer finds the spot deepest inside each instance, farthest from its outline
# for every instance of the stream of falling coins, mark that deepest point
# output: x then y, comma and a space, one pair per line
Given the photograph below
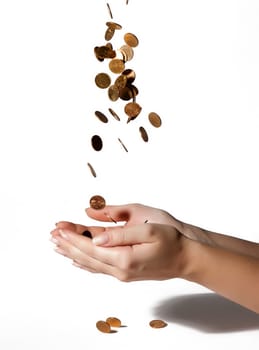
121, 88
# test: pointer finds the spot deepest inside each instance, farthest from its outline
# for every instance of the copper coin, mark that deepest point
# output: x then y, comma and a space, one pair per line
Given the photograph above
104, 51
157, 324
113, 25
126, 93
113, 321
125, 148
121, 81
103, 326
97, 143
97, 202
114, 114
101, 116
130, 74
102, 80
143, 133
92, 169
109, 33
131, 40
154, 119
117, 66
109, 10
127, 53
113, 93
132, 109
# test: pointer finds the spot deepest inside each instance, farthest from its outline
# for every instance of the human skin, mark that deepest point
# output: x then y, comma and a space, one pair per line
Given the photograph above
151, 244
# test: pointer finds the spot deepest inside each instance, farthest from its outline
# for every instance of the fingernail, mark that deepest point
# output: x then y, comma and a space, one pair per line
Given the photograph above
53, 240
100, 240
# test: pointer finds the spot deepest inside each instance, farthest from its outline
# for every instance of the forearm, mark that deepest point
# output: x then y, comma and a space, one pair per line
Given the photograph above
232, 275
214, 239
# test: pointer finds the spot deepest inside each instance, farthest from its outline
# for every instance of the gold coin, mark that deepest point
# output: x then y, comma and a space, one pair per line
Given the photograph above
132, 109
143, 133
113, 25
113, 321
113, 93
109, 33
131, 39
102, 80
97, 143
103, 326
117, 66
157, 324
92, 169
114, 114
154, 119
101, 116
126, 93
97, 202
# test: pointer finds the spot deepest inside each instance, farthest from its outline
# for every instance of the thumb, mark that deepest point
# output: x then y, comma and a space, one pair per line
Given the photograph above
124, 235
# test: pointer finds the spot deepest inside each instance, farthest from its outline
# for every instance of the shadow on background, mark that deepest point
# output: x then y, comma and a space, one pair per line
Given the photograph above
207, 312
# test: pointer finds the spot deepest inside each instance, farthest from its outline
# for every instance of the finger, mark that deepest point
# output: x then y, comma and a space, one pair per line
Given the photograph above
116, 212
87, 231
71, 226
125, 236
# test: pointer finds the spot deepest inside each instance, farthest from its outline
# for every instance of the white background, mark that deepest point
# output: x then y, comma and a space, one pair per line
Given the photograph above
197, 66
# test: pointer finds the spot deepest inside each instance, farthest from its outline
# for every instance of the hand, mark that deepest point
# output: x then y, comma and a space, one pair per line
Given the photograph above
129, 253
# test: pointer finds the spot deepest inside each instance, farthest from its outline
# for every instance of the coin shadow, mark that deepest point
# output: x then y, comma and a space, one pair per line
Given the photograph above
207, 313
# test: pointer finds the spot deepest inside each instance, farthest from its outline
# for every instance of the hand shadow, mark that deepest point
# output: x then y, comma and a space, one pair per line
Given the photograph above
208, 313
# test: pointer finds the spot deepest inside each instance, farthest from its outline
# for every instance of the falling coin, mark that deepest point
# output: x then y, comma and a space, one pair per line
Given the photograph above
101, 116
157, 324
132, 109
109, 9
102, 80
130, 74
92, 169
143, 133
114, 114
116, 66
113, 93
131, 40
87, 233
113, 25
127, 53
154, 119
103, 326
97, 143
122, 144
97, 202
114, 322
109, 33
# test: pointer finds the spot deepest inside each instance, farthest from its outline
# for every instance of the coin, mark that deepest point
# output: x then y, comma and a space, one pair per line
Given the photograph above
143, 133
113, 321
103, 326
104, 51
113, 93
132, 109
121, 81
126, 93
97, 202
113, 25
114, 114
127, 52
131, 39
130, 74
92, 169
109, 10
109, 33
97, 143
122, 144
116, 65
87, 233
102, 80
157, 324
101, 116
154, 119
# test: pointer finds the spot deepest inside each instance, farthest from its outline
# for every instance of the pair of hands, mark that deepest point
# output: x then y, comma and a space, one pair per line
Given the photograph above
148, 245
